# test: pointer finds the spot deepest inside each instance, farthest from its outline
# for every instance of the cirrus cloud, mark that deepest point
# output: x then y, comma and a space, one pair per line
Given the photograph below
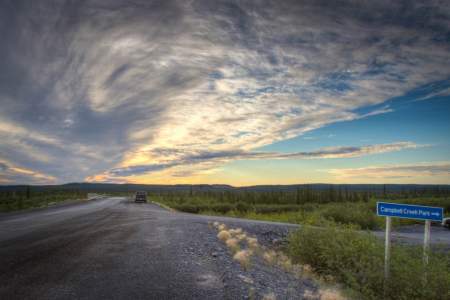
399, 171
201, 161
100, 86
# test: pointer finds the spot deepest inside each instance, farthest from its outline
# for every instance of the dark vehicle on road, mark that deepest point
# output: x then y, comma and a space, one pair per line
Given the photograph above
140, 197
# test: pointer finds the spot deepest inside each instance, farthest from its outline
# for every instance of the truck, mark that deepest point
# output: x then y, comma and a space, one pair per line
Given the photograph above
140, 197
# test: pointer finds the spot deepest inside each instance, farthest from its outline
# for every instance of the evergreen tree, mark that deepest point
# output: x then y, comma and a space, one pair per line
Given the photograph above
28, 192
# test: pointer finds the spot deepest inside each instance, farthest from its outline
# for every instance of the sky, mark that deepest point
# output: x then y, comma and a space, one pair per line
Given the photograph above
227, 92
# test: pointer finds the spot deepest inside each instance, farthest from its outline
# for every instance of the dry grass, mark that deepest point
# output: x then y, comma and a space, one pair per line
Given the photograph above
234, 236
252, 243
221, 227
235, 231
270, 257
287, 265
233, 244
223, 235
243, 257
241, 236
284, 262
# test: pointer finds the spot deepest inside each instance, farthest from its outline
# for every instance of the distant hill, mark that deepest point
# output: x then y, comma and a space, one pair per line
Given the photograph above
112, 187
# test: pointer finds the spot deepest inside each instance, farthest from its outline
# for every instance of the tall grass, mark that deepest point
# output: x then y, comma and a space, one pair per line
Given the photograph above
357, 260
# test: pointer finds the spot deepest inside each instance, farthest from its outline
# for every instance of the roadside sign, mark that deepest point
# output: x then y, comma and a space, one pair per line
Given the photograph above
406, 211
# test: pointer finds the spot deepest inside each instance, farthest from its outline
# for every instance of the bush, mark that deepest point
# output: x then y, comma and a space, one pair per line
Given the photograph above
221, 208
189, 208
201, 208
266, 209
357, 259
242, 207
352, 213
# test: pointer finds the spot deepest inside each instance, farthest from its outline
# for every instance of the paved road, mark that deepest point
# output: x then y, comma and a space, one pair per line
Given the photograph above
414, 234
115, 249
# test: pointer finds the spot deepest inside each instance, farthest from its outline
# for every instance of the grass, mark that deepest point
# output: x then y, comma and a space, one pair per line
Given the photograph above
359, 215
356, 260
19, 201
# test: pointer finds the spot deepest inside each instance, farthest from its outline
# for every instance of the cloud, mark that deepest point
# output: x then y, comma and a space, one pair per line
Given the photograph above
207, 160
98, 86
37, 151
348, 152
14, 174
441, 93
395, 171
375, 112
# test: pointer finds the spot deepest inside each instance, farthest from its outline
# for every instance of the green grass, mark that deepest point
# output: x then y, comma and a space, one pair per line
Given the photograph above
19, 201
359, 215
356, 260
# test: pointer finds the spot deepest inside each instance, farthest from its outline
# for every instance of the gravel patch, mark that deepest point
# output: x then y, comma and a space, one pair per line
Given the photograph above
259, 279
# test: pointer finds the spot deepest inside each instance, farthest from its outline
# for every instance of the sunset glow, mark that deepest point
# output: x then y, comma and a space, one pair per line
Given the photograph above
235, 92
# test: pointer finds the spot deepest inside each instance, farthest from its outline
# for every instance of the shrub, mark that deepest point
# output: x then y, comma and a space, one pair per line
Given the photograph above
242, 207
189, 208
220, 208
356, 260
351, 213
265, 209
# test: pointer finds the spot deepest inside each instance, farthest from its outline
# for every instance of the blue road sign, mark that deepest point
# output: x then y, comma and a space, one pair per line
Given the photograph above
407, 211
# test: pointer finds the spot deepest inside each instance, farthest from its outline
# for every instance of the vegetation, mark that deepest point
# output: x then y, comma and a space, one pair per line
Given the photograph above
26, 197
356, 260
339, 207
336, 251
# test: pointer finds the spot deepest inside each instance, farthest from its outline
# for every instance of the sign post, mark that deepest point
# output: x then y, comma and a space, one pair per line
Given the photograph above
406, 211
426, 241
387, 247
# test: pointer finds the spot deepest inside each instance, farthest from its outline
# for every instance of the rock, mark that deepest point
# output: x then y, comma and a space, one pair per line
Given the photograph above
214, 254
246, 279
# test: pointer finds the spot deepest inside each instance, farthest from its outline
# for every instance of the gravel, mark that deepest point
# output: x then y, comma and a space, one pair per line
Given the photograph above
259, 279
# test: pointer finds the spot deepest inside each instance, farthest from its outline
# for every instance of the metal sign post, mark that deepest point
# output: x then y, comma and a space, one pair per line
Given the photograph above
426, 241
406, 211
387, 247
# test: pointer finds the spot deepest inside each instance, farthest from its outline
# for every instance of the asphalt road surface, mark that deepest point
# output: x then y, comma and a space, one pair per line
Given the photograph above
113, 248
